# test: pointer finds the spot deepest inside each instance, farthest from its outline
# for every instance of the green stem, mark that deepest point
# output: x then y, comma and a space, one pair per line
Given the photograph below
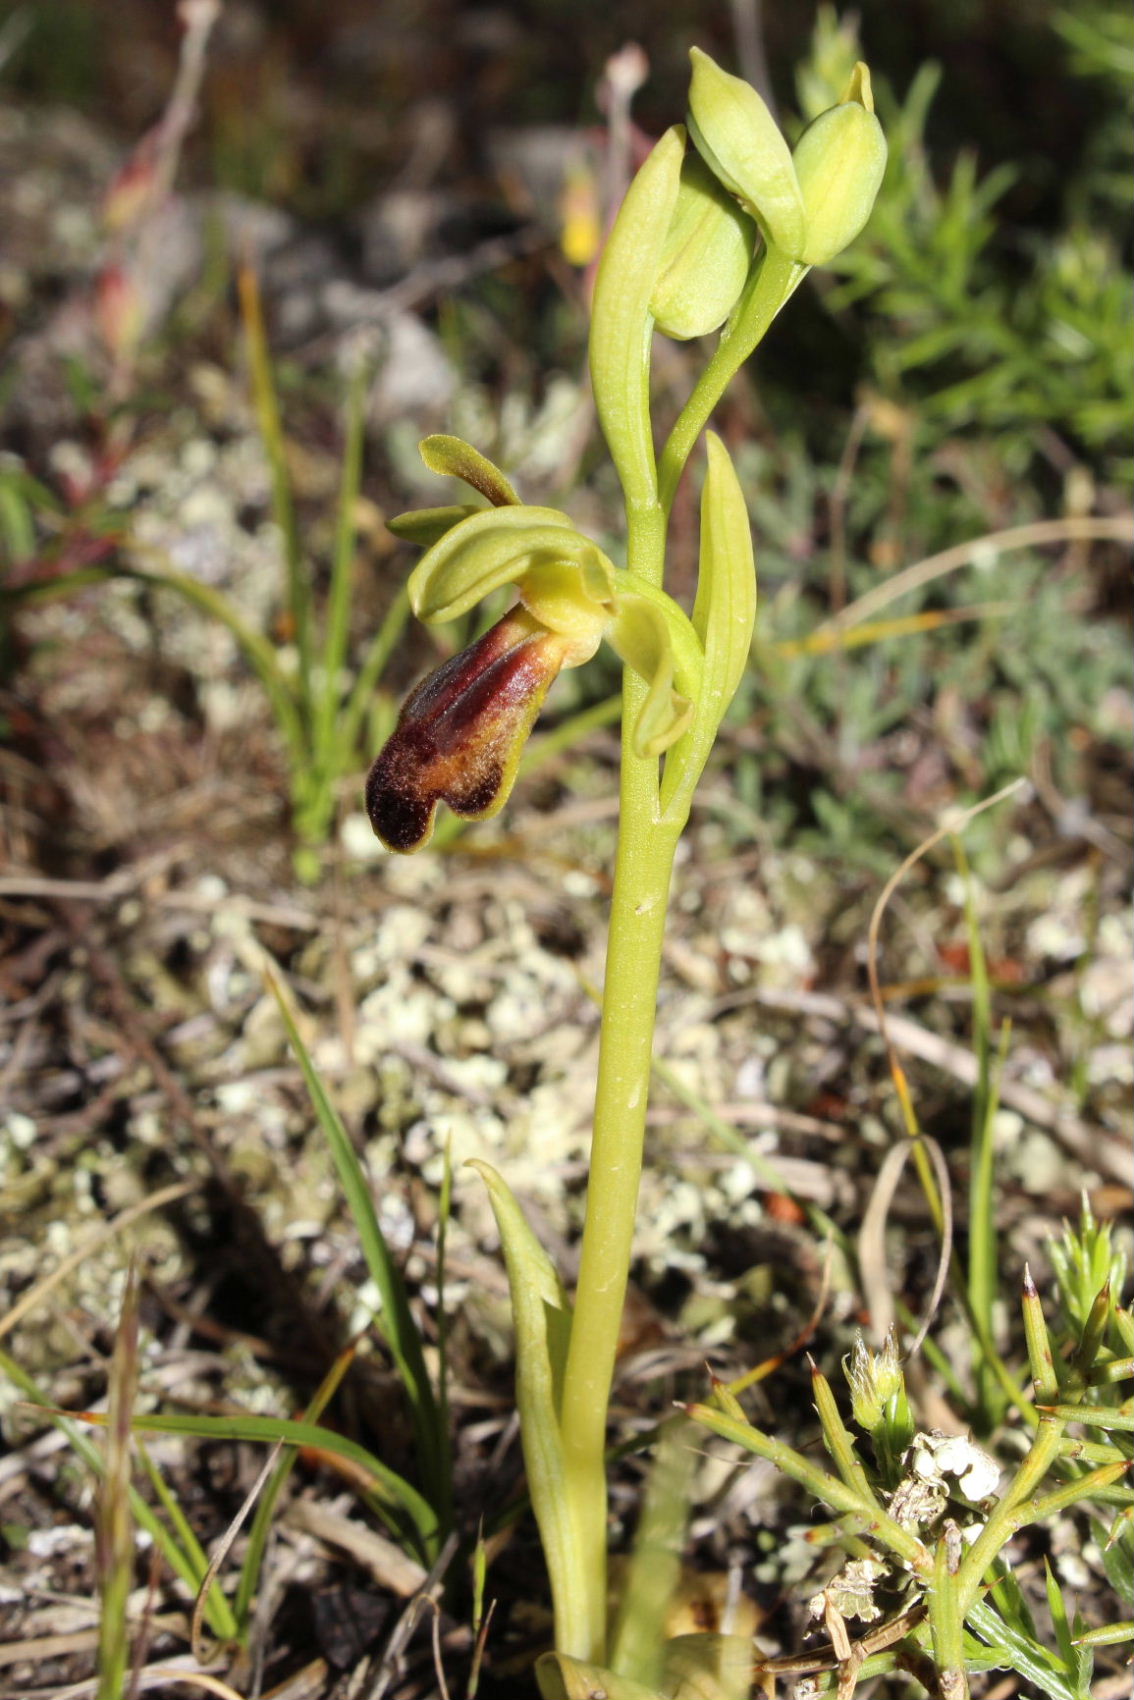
946, 1626
1001, 1524
773, 283
643, 865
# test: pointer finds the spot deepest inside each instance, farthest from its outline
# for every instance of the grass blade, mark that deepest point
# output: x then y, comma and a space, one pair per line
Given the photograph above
399, 1329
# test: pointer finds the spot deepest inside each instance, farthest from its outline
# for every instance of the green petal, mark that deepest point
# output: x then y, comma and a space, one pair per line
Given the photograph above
425, 526
652, 635
494, 547
452, 457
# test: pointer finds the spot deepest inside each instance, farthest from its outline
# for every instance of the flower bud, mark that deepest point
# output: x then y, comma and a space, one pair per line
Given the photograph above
873, 1381
708, 251
839, 162
742, 145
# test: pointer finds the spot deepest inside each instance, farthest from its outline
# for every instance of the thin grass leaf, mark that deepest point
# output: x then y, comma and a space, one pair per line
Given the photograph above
1109, 1635
196, 1556
179, 1560
283, 507
983, 1268
114, 1527
373, 666
444, 1212
1094, 1416
257, 650
342, 561
1027, 1657
402, 1507
398, 1327
1061, 1623
262, 1520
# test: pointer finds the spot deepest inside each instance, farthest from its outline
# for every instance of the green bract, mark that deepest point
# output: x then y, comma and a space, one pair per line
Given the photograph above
743, 146
723, 617
840, 160
621, 320
708, 251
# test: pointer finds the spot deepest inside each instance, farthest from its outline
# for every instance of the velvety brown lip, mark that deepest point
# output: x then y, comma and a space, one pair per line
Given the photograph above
460, 733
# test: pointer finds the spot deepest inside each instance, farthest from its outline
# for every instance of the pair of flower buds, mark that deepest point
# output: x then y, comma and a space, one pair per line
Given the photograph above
682, 257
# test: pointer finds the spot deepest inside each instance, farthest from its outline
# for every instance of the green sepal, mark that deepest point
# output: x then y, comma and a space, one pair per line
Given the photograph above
840, 161
708, 252
653, 636
541, 1315
427, 526
494, 547
621, 322
743, 146
452, 457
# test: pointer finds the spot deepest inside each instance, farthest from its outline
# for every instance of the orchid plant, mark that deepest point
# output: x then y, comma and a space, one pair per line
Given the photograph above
713, 237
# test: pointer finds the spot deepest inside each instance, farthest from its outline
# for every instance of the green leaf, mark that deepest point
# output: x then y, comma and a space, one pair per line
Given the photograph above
542, 1318
621, 322
724, 615
391, 1490
452, 457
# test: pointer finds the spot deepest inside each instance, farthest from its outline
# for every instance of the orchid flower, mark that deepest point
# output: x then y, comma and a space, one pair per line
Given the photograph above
461, 732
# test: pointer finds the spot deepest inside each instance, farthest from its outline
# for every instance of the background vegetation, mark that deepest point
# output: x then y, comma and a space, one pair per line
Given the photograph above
396, 182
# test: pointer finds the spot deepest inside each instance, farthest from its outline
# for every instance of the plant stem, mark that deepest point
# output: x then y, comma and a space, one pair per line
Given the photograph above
637, 925
643, 865
772, 284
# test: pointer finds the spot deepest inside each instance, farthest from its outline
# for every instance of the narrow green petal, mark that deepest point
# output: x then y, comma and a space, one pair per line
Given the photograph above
426, 526
452, 457
653, 637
